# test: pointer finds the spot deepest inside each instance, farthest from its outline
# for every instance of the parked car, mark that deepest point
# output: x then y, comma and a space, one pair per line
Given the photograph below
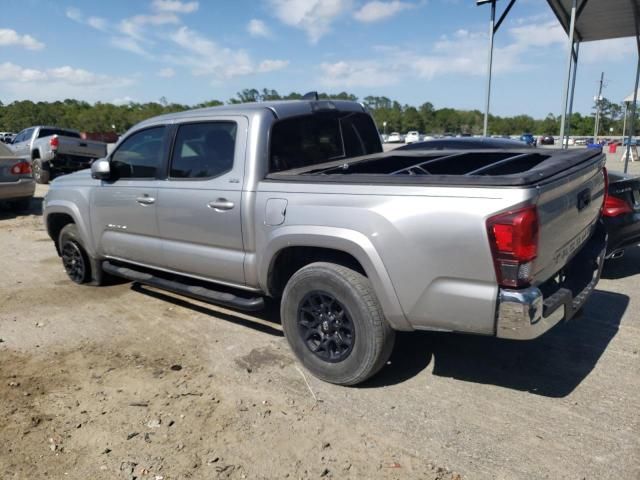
621, 213
569, 141
16, 184
481, 143
297, 202
394, 137
6, 137
625, 141
54, 150
547, 140
412, 137
528, 138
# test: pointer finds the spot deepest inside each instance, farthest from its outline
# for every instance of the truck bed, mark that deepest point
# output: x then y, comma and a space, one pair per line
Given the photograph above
509, 168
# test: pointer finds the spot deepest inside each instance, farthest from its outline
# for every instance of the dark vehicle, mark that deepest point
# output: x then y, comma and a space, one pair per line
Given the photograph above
528, 138
547, 140
621, 213
464, 144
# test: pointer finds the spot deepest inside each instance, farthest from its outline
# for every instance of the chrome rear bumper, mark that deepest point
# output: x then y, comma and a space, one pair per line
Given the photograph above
526, 314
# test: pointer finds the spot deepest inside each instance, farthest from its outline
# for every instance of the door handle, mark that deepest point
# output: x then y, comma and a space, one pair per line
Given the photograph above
146, 200
221, 204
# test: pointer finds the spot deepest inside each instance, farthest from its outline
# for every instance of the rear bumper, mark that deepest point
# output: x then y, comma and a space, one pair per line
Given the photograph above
624, 231
70, 163
24, 187
528, 313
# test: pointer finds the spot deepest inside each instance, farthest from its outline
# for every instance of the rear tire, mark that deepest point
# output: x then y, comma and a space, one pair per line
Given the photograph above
41, 171
334, 323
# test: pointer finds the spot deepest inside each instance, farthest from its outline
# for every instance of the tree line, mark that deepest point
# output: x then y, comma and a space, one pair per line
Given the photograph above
390, 115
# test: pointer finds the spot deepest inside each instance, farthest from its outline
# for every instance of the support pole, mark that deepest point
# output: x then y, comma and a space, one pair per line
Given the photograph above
624, 120
632, 128
596, 126
565, 94
490, 62
573, 87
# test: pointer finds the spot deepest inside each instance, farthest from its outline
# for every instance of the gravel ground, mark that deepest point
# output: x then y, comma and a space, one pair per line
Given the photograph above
129, 382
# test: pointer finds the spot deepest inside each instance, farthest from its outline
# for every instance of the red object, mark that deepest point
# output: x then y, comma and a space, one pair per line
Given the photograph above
514, 243
613, 147
21, 168
54, 142
614, 206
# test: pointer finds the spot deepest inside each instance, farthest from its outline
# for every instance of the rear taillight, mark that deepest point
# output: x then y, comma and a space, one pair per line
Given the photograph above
54, 142
21, 168
614, 206
606, 188
514, 243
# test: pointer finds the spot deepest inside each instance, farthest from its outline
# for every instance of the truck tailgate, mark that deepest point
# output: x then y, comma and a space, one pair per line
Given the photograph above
81, 148
569, 206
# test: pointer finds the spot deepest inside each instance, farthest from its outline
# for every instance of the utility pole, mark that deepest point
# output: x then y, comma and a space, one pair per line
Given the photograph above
598, 99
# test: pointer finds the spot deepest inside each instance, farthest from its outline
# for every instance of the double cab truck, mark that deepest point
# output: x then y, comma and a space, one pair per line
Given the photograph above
296, 201
56, 150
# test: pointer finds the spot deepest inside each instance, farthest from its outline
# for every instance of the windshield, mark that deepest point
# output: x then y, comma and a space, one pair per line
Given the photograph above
47, 132
321, 137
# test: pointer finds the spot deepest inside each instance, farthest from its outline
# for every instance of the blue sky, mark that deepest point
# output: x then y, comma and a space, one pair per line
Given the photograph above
192, 51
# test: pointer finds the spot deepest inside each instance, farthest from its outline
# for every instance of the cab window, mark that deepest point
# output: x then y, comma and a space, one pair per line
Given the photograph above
140, 155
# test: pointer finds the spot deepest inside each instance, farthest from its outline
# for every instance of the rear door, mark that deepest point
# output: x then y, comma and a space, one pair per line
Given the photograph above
123, 210
199, 214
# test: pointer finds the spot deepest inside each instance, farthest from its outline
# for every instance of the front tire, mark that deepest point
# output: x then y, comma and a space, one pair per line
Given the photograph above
74, 257
334, 323
41, 171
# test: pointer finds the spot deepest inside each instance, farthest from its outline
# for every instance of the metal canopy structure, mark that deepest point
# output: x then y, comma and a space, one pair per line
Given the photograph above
597, 19
583, 21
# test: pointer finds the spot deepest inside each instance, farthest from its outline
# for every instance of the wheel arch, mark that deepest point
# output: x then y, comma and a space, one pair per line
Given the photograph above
59, 214
292, 248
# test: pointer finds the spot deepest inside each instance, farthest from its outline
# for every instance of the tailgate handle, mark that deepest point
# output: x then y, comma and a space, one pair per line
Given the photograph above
584, 199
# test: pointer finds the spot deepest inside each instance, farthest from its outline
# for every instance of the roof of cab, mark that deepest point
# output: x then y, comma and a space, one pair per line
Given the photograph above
280, 109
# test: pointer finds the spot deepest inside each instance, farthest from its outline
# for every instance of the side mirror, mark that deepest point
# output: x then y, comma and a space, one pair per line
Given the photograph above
101, 169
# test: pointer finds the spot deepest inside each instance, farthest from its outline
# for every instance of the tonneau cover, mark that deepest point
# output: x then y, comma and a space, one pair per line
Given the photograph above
413, 167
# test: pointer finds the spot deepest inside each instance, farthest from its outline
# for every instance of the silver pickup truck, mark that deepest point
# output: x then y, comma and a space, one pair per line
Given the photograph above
56, 150
296, 201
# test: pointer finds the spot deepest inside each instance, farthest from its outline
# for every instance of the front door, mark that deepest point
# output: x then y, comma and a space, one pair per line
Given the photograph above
124, 210
199, 214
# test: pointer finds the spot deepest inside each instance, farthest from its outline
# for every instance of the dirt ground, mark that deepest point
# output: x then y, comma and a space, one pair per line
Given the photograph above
129, 382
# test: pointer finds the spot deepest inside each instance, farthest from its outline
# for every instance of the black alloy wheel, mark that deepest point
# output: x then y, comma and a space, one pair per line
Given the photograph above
325, 327
74, 262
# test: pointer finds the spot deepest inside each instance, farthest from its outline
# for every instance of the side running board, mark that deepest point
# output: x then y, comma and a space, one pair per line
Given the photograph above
194, 291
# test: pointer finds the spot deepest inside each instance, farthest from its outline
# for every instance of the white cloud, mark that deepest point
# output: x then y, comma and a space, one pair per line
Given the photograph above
12, 74
97, 23
10, 38
15, 73
257, 28
272, 65
167, 72
456, 54
538, 34
94, 22
376, 10
126, 100
360, 73
608, 51
313, 16
174, 6
206, 57
129, 44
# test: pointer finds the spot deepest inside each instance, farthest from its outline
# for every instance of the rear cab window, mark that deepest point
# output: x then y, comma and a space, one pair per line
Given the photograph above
47, 132
321, 137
